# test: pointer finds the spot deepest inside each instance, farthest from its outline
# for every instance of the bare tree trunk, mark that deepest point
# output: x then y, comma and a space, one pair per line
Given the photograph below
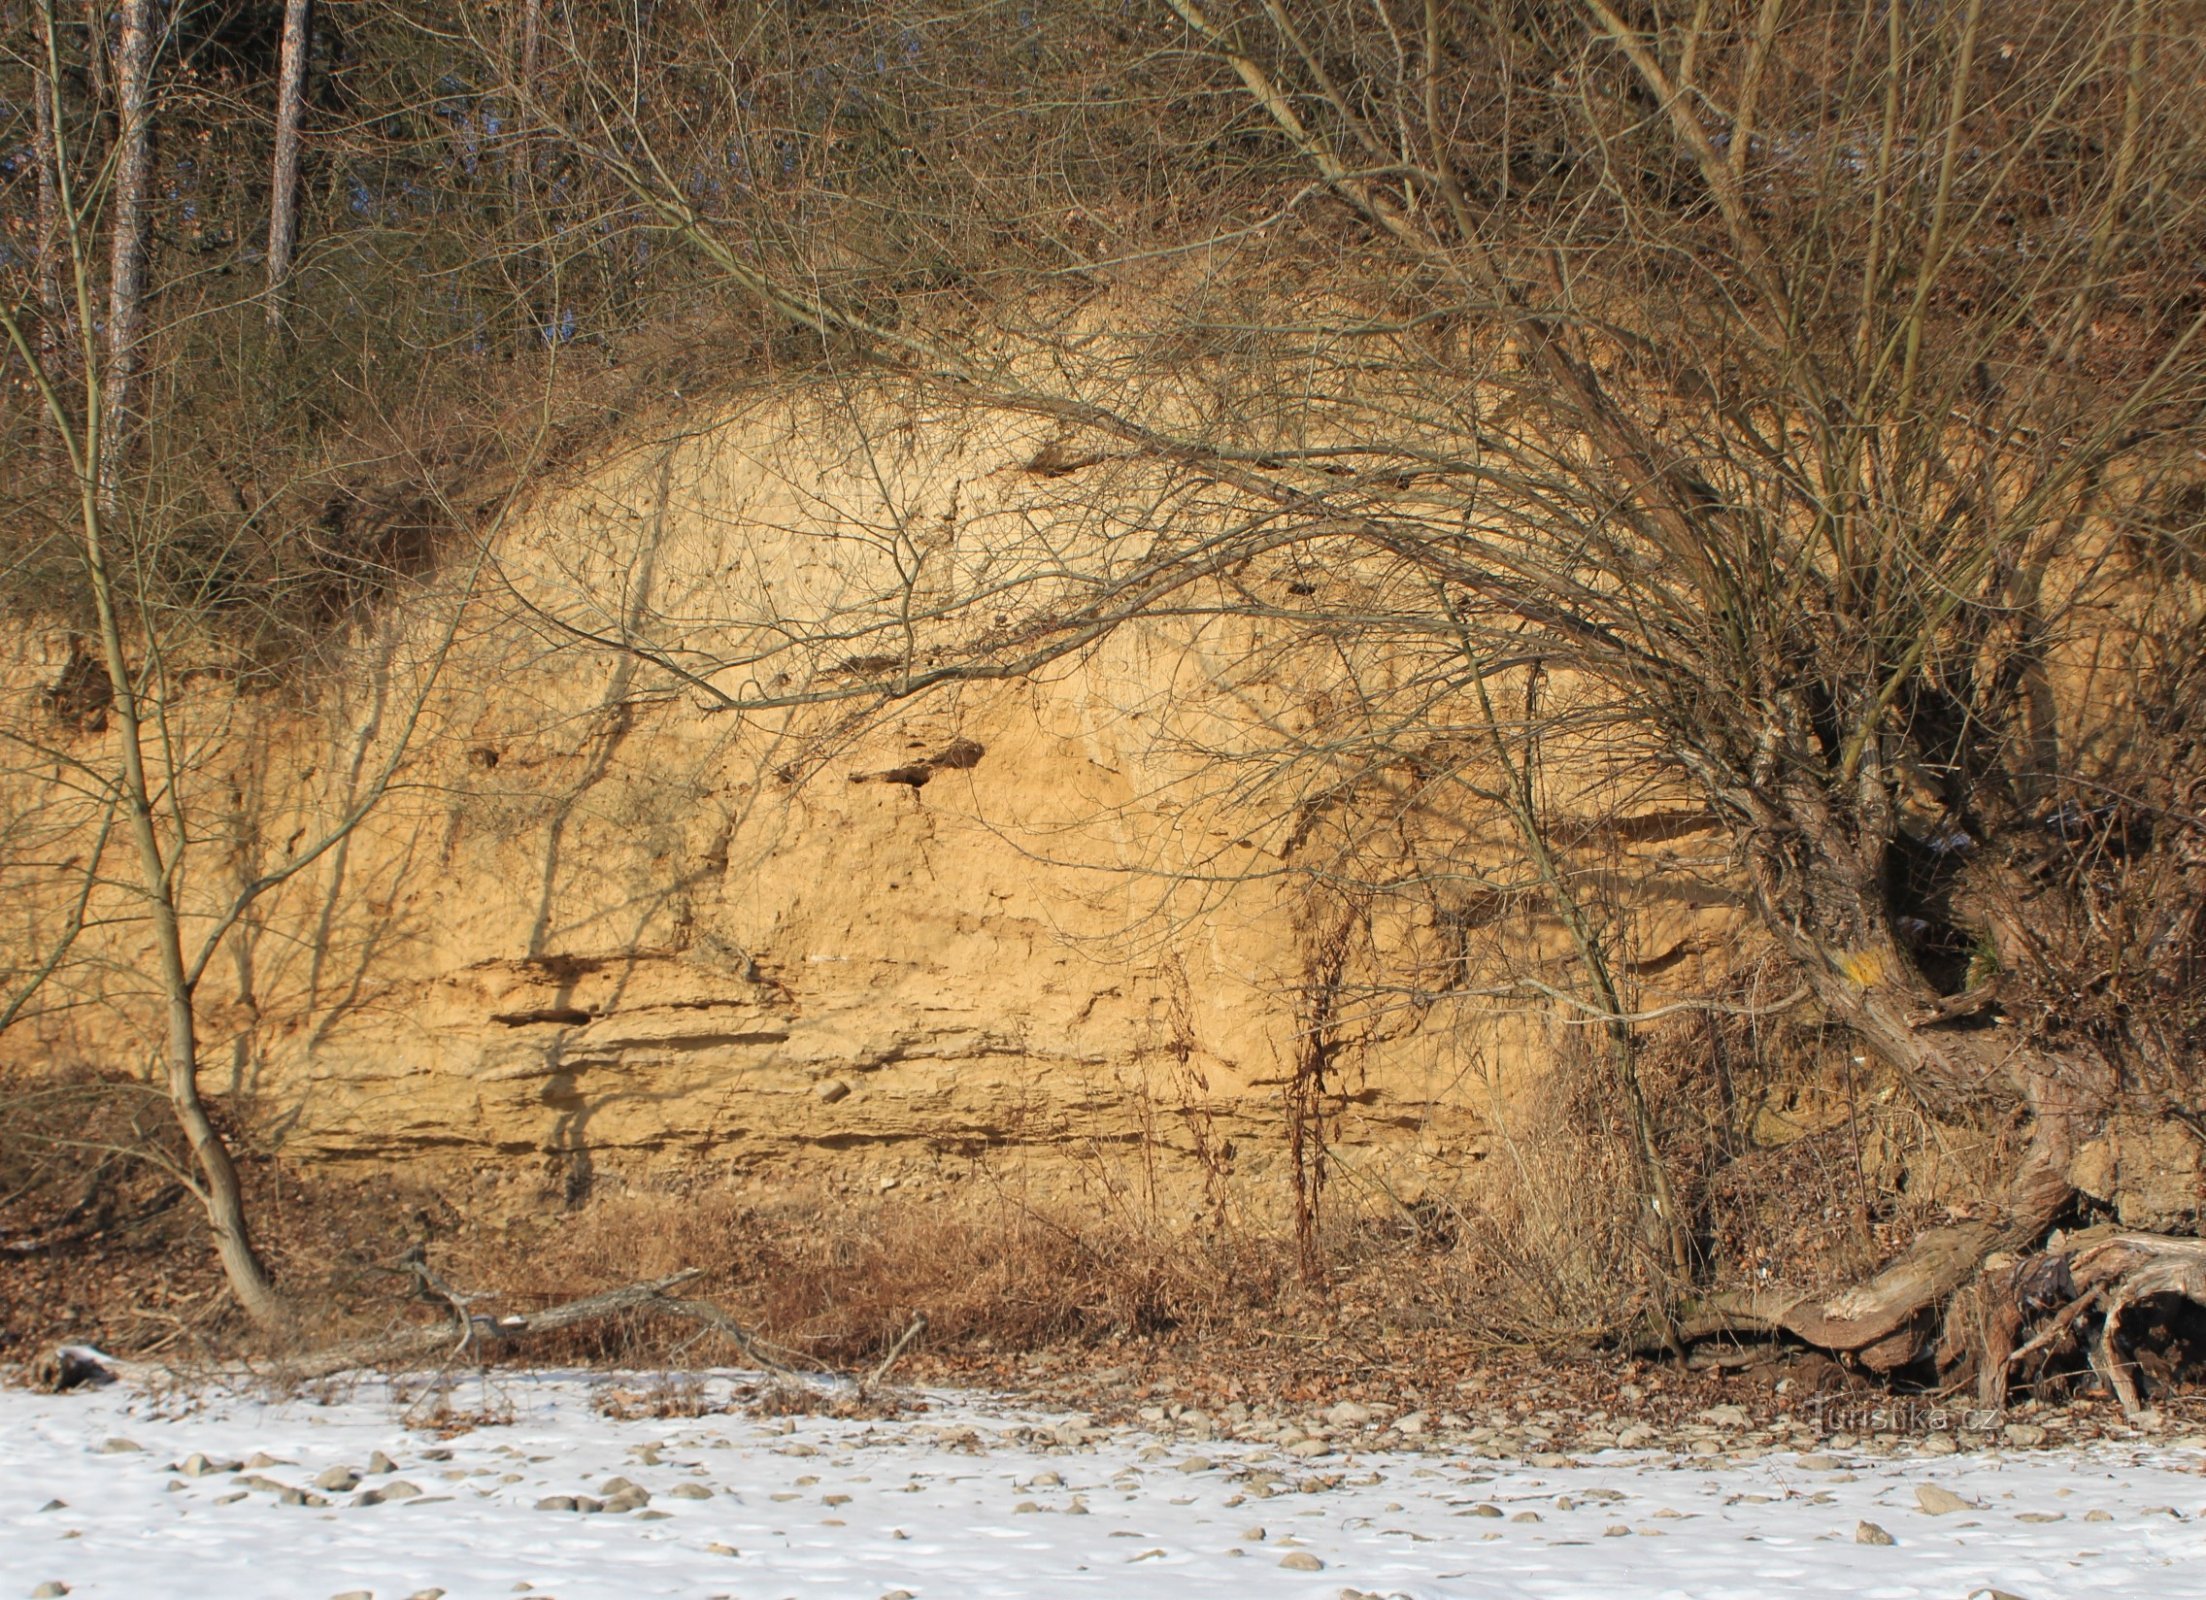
217, 1187
532, 41
283, 204
126, 311
46, 147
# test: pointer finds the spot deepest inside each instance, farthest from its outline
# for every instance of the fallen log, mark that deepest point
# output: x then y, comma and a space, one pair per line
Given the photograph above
413, 1344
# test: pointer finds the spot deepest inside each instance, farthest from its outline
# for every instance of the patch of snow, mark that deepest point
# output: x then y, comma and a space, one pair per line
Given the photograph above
981, 1498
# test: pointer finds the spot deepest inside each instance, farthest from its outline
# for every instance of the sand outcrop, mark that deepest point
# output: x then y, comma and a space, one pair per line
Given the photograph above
1064, 927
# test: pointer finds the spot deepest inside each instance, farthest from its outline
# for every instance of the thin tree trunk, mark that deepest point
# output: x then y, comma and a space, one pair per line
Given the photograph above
53, 326
217, 1188
530, 51
126, 311
283, 206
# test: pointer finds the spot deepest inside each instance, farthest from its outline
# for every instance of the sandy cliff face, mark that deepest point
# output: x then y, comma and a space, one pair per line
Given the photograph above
1058, 925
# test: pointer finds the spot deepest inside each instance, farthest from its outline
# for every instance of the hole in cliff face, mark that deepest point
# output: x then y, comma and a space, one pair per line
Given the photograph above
483, 756
562, 1016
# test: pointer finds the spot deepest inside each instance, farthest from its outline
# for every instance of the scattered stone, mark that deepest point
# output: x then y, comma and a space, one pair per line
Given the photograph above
690, 1491
1487, 1510
1304, 1449
2023, 1435
302, 1497
1870, 1533
1939, 1444
2098, 1514
556, 1502
52, 1590
1938, 1501
396, 1489
199, 1466
338, 1480
1254, 1535
1197, 1464
2041, 1516
1348, 1414
719, 1549
1615, 1530
379, 1463
55, 1505
426, 1594
1552, 1461
355, 1594
1818, 1464
1301, 1561
120, 1447
897, 1594
1526, 1516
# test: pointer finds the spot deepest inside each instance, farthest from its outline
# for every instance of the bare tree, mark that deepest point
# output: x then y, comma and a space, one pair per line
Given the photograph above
1788, 384
137, 47
283, 188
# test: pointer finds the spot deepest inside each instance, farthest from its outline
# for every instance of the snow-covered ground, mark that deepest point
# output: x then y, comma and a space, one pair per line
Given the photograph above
978, 1497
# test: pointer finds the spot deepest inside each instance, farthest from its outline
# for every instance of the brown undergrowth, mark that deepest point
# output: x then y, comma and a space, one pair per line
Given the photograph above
102, 1243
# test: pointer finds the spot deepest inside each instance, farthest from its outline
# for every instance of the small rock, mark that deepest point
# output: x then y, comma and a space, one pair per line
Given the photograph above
1818, 1464
717, 1549
379, 1463
55, 1505
1870, 1533
1197, 1464
1348, 1414
830, 1090
1301, 1561
897, 1594
1938, 1501
1487, 1510
556, 1502
199, 1466
426, 1594
1939, 1444
50, 1591
396, 1489
1615, 1530
120, 1447
355, 1594
1254, 1535
690, 1491
338, 1480
1552, 1461
1308, 1449
2024, 1434
302, 1497
2098, 1514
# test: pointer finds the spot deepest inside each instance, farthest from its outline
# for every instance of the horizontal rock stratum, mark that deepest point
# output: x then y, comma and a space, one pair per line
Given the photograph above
673, 873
